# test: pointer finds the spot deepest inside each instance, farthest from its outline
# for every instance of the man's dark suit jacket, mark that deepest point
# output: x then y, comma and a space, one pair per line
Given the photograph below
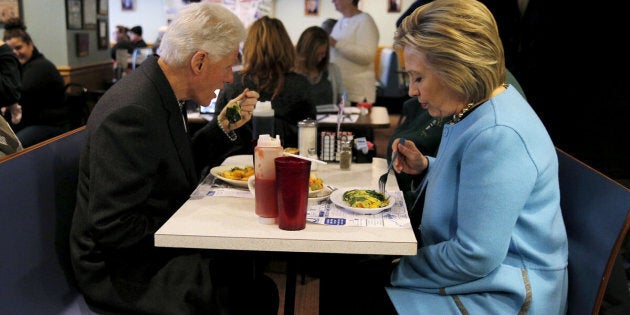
135, 171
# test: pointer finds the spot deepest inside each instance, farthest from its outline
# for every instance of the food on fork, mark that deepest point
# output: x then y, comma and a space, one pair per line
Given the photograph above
239, 173
233, 112
365, 198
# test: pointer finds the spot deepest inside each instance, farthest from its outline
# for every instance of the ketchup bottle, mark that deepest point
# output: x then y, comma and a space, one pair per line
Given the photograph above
265, 153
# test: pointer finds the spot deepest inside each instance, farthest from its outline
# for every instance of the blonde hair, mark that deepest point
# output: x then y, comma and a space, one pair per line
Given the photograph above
461, 43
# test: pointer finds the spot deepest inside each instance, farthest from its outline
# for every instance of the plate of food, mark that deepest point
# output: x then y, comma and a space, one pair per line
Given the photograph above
236, 175
362, 200
320, 195
315, 185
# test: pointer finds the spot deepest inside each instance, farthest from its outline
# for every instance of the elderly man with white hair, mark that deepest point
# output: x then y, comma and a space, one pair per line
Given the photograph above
137, 169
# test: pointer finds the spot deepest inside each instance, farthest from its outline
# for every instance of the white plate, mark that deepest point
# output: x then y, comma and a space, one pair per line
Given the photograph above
337, 198
319, 195
218, 170
313, 193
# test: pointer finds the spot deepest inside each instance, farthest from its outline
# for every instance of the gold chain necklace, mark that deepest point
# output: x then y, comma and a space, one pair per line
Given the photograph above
458, 116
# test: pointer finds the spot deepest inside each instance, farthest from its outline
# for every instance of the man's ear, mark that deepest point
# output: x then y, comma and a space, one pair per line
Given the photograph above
197, 61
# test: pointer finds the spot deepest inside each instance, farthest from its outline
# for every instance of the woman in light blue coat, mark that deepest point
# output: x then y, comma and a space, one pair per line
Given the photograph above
493, 237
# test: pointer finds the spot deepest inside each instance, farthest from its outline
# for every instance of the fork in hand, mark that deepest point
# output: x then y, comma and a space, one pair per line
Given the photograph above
382, 181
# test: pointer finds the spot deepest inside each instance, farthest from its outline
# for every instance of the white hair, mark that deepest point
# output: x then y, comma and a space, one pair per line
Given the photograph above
201, 26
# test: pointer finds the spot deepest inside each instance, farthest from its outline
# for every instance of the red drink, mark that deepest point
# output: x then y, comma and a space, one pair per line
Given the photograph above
292, 176
266, 205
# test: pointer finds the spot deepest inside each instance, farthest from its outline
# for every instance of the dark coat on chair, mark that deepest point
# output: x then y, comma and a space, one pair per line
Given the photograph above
135, 171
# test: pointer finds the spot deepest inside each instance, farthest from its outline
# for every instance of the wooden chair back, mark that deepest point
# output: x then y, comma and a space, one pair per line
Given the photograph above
596, 211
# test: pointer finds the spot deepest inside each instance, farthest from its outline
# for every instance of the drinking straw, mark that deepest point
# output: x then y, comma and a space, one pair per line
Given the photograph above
304, 158
340, 113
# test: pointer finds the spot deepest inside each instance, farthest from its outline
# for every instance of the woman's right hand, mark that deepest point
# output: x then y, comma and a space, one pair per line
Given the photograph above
410, 160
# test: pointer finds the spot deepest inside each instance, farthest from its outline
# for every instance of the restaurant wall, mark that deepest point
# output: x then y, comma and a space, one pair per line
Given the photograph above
291, 12
45, 22
151, 14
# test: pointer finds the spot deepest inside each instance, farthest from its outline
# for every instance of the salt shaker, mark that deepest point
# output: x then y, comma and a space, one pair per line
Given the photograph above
307, 136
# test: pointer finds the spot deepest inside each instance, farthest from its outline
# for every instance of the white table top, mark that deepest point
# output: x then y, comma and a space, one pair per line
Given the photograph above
230, 222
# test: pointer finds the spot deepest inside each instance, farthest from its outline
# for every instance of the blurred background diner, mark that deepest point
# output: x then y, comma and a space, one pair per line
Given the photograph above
10, 82
44, 112
313, 61
135, 37
121, 40
354, 43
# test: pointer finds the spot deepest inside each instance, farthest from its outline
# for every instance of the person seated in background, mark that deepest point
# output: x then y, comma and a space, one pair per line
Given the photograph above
44, 112
354, 44
425, 132
268, 59
136, 170
135, 37
10, 81
313, 61
122, 40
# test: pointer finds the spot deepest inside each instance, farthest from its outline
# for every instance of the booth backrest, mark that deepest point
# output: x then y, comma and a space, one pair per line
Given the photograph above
596, 214
390, 80
38, 189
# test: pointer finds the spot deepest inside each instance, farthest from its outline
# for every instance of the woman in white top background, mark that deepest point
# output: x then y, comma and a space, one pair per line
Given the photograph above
354, 44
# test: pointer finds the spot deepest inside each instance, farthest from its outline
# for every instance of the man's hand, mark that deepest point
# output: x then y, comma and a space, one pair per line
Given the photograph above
247, 102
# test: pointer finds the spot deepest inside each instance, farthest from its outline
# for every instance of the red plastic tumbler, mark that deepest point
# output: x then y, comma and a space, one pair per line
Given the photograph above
292, 175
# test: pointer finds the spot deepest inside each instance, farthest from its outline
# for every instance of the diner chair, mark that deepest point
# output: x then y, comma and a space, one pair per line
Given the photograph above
596, 212
390, 83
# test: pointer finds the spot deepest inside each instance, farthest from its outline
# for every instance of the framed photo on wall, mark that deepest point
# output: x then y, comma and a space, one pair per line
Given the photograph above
83, 44
89, 14
128, 5
103, 6
394, 5
311, 7
102, 33
10, 9
74, 12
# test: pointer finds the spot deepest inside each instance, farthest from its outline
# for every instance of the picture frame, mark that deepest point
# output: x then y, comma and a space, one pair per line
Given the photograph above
89, 14
311, 7
102, 33
10, 9
74, 14
103, 6
128, 5
83, 44
393, 6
